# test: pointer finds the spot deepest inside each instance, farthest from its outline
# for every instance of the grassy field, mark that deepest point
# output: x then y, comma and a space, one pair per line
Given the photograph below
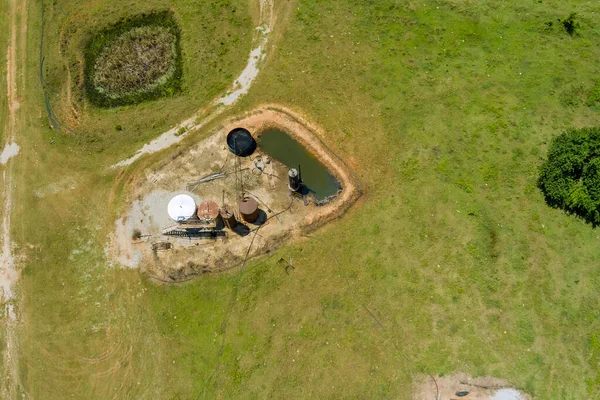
215, 42
443, 109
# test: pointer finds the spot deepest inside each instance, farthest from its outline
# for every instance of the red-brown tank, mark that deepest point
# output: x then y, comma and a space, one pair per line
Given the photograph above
208, 211
228, 218
248, 209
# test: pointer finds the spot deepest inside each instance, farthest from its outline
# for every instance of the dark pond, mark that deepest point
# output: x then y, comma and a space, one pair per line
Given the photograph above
317, 178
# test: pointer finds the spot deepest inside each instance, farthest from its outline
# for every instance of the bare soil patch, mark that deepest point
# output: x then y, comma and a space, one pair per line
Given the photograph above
482, 388
282, 216
9, 273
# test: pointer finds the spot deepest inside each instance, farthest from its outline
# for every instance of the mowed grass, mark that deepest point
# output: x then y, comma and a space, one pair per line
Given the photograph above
444, 110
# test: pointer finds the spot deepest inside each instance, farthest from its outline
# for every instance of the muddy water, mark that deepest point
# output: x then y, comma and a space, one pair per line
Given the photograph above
317, 178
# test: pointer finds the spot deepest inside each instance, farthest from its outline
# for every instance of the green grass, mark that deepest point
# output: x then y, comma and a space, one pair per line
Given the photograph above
444, 109
215, 42
134, 60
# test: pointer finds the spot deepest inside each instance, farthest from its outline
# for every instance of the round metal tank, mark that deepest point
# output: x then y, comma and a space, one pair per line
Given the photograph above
228, 218
181, 208
248, 209
240, 142
294, 180
208, 210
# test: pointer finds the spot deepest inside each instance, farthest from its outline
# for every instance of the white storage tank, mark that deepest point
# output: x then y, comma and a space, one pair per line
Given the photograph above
181, 208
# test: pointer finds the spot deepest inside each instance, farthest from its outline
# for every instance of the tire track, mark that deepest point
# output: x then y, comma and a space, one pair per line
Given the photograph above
240, 87
8, 268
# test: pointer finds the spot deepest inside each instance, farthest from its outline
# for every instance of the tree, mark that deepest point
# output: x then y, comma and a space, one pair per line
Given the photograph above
570, 176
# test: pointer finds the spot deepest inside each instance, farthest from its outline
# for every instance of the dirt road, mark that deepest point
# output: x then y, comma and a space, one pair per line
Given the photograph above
241, 86
8, 268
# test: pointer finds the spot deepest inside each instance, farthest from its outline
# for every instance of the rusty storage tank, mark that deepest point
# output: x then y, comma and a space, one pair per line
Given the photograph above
208, 211
248, 209
228, 218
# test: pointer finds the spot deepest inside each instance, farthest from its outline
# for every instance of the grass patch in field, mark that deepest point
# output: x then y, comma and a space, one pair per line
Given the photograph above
135, 60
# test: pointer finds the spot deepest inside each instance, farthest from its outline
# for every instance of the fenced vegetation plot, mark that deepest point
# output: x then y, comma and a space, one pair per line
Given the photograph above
570, 177
135, 60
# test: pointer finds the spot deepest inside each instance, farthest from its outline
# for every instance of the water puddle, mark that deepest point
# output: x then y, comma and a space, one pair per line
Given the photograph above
282, 147
507, 394
10, 150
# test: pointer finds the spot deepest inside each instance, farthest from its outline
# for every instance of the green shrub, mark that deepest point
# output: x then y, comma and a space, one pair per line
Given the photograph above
570, 177
593, 97
574, 96
570, 24
181, 131
135, 60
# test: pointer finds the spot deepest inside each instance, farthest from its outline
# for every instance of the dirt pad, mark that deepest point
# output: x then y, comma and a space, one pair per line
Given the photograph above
282, 216
482, 388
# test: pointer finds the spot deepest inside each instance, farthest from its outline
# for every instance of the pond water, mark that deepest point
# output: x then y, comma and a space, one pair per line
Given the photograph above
283, 148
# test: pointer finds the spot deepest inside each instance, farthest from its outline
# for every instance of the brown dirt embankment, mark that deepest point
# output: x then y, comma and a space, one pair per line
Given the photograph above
279, 117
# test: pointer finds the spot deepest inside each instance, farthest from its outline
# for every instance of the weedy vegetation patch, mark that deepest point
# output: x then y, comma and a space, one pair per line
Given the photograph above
135, 60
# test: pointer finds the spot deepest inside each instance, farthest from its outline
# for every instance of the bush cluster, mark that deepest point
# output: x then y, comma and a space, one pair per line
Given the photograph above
570, 176
570, 24
135, 60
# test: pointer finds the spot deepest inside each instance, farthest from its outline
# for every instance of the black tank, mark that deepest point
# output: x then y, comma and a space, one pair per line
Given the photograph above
240, 142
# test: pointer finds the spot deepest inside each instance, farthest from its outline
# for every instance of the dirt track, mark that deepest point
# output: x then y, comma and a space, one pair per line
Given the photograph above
240, 87
8, 268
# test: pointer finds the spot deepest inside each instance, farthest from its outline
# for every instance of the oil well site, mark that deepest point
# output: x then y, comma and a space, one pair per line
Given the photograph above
300, 199
256, 182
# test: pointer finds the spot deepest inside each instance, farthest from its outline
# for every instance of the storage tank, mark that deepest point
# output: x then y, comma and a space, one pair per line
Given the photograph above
294, 180
248, 209
181, 208
208, 211
228, 218
240, 142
